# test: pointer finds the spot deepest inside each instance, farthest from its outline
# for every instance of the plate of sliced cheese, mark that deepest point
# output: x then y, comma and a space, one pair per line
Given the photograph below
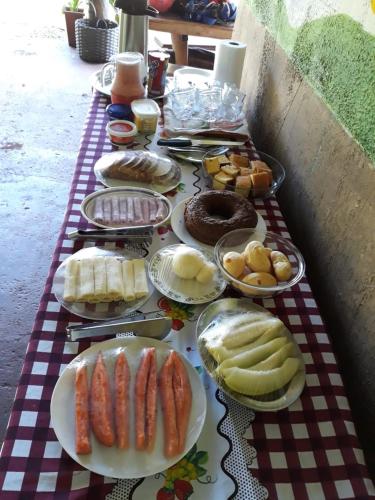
250, 354
98, 283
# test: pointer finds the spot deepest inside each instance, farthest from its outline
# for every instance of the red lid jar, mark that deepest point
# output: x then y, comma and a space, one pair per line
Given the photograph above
121, 132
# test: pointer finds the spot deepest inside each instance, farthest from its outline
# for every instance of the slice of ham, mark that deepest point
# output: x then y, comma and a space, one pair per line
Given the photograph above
129, 211
152, 210
130, 207
107, 211
138, 214
123, 211
146, 209
115, 210
160, 210
98, 210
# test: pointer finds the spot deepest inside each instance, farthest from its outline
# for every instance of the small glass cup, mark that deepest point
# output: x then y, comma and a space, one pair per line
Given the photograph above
232, 100
183, 102
210, 103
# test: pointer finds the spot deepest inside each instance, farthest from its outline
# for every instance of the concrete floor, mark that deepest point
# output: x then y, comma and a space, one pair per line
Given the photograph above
44, 97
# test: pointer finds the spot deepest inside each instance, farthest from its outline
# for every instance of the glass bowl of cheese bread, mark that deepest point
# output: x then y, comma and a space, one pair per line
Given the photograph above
250, 354
258, 264
251, 178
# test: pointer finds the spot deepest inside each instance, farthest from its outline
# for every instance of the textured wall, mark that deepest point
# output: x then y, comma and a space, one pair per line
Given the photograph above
335, 54
328, 200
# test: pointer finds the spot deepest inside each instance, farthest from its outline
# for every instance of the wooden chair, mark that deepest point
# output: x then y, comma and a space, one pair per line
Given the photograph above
181, 29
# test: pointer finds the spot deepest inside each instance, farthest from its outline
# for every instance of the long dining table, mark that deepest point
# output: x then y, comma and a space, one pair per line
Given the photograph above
309, 450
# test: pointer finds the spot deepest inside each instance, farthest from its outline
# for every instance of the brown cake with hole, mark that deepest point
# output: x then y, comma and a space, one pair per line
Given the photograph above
211, 214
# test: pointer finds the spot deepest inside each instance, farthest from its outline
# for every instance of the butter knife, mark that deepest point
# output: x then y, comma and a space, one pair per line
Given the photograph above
180, 142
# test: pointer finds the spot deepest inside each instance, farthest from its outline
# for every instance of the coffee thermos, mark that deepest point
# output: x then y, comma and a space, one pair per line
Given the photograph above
134, 25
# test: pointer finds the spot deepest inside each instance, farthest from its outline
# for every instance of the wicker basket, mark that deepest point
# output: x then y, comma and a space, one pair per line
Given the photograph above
96, 45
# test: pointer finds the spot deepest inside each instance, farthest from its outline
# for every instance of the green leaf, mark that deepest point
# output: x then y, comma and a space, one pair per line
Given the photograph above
192, 452
201, 457
200, 471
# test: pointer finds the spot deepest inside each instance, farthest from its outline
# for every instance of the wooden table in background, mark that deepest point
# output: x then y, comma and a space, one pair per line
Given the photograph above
181, 29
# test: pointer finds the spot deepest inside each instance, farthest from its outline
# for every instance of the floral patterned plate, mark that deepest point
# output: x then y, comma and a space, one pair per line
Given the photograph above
181, 290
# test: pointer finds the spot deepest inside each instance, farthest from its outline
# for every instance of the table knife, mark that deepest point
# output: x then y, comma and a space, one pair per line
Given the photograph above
135, 233
186, 142
156, 328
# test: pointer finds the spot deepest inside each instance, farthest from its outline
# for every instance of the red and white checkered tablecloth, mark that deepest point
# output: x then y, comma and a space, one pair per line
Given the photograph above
309, 450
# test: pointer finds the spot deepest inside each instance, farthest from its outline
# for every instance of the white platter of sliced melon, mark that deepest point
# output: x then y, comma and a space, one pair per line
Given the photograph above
250, 354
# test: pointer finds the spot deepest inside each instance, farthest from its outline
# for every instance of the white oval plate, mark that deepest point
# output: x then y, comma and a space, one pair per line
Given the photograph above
110, 182
101, 310
186, 291
87, 205
113, 462
96, 83
179, 228
219, 311
199, 77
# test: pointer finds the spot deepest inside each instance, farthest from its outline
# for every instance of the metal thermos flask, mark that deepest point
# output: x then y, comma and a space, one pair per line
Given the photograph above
134, 25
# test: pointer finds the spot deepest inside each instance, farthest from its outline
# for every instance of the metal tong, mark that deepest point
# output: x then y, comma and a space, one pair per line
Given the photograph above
156, 328
137, 234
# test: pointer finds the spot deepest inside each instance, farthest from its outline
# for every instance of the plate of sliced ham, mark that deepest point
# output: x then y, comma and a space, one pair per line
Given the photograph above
124, 408
126, 207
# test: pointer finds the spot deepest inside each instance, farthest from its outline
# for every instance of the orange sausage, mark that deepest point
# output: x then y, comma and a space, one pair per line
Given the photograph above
83, 445
151, 403
140, 399
122, 380
171, 444
183, 398
101, 404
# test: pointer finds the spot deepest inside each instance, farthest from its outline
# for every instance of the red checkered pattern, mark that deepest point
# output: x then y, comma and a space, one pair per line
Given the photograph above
309, 450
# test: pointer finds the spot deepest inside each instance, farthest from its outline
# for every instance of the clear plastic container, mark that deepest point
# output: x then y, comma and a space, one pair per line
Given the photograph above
121, 132
146, 113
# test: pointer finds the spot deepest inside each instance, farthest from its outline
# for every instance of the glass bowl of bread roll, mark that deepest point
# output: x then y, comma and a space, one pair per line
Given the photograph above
258, 178
258, 264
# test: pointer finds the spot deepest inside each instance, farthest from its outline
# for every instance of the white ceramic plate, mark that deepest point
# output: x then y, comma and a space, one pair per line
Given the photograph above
96, 83
105, 89
87, 205
103, 310
186, 291
218, 312
179, 228
197, 76
113, 462
159, 188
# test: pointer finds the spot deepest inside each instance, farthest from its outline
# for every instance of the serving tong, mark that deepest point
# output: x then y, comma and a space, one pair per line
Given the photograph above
156, 328
137, 234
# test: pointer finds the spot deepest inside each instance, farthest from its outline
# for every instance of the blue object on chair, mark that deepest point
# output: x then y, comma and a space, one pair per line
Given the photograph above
210, 11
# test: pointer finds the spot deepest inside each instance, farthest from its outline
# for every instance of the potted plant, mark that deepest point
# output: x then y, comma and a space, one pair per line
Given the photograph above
97, 37
72, 12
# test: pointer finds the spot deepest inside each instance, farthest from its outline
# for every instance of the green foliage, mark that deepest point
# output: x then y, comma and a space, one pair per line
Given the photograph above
336, 56
75, 5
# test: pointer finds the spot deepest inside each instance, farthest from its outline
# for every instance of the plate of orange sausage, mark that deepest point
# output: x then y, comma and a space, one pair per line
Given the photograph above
124, 408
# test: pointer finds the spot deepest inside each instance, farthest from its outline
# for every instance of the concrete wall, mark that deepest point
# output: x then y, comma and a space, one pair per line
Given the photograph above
328, 201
